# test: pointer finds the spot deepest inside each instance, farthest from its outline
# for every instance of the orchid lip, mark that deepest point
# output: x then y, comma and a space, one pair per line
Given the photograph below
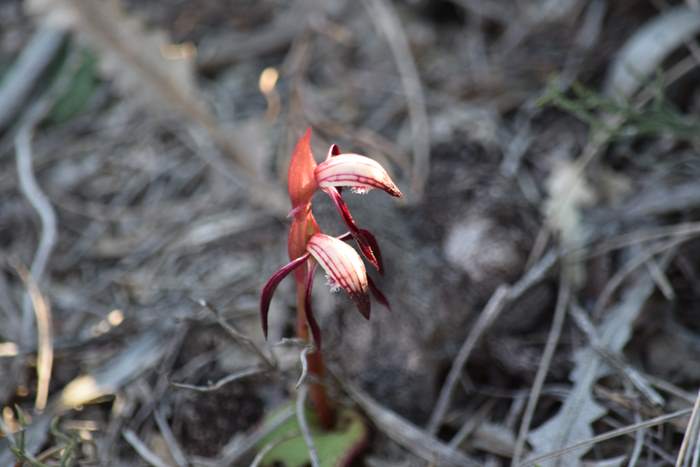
354, 171
344, 266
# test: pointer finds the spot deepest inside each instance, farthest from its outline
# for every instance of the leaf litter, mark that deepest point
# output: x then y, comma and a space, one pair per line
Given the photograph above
166, 184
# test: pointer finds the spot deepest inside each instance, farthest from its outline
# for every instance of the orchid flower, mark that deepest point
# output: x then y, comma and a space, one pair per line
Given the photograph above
360, 174
309, 247
344, 269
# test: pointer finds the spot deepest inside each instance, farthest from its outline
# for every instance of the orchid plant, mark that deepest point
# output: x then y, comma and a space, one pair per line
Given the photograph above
309, 247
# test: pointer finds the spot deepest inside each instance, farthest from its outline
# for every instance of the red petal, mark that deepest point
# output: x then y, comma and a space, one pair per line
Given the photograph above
301, 181
377, 294
310, 319
344, 266
363, 242
271, 285
369, 239
363, 305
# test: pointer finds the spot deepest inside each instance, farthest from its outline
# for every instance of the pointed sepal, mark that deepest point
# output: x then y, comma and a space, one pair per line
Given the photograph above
365, 240
377, 294
308, 311
271, 285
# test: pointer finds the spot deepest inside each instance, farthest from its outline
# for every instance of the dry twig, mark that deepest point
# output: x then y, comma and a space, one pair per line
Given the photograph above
44, 359
21, 79
239, 336
174, 447
547, 354
606, 436
386, 20
223, 381
31, 190
304, 426
690, 439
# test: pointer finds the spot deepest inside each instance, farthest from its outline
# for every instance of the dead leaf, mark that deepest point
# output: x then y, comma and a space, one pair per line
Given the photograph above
573, 421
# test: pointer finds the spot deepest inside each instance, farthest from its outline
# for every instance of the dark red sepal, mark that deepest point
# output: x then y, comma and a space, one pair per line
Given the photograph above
365, 240
334, 150
362, 303
310, 319
377, 294
371, 241
271, 285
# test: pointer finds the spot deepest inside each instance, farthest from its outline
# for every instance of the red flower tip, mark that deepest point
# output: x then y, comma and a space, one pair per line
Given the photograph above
301, 181
334, 150
377, 294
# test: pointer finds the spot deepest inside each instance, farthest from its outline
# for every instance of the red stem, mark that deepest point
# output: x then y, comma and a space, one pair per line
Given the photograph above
317, 393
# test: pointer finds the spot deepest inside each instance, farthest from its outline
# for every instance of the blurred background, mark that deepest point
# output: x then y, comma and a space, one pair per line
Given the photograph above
542, 266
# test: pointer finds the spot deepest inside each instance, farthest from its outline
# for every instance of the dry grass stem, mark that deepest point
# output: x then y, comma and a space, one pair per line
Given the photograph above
142, 450
223, 381
173, 446
543, 368
386, 20
31, 190
606, 436
690, 439
44, 360
304, 425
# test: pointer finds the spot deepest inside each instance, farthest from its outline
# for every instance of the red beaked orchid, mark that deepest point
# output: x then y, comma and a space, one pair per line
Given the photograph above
309, 247
344, 269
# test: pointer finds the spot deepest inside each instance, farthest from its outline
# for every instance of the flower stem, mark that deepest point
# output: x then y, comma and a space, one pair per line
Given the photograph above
317, 393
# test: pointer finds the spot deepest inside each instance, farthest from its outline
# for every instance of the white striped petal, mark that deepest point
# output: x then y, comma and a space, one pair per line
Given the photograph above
343, 266
355, 171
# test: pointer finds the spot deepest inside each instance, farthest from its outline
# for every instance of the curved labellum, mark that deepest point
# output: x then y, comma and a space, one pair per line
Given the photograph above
271, 285
343, 266
357, 172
